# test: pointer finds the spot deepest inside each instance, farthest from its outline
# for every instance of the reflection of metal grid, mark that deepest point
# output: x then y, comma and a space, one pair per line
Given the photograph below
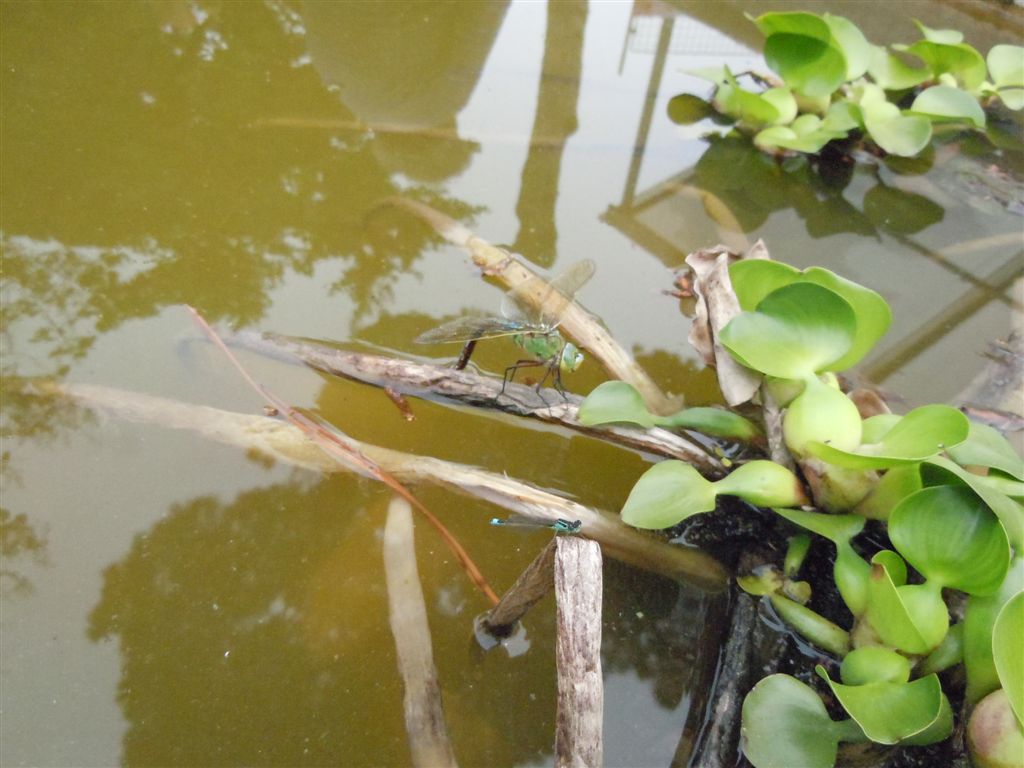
688, 36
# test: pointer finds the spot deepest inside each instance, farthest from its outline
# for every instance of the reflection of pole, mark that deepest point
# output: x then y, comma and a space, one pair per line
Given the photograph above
653, 85
554, 123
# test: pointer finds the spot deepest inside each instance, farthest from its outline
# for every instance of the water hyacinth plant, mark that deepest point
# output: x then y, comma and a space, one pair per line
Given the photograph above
947, 491
831, 83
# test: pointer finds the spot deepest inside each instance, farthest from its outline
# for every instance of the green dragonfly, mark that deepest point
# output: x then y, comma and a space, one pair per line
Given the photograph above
532, 326
561, 525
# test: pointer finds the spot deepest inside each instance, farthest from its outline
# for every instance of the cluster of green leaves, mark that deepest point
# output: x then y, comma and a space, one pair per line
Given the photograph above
950, 492
834, 82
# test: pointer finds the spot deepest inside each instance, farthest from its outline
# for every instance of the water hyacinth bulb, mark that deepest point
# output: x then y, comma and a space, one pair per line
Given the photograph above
823, 414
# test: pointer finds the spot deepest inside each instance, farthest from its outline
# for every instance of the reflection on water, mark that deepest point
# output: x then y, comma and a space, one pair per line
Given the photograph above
183, 604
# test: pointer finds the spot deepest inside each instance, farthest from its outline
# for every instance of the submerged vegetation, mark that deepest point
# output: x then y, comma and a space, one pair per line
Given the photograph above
946, 494
832, 84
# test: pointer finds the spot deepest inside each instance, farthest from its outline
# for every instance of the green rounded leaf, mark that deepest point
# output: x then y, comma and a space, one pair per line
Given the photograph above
951, 36
1008, 654
745, 106
1013, 98
890, 71
785, 724
912, 618
754, 279
896, 133
842, 116
795, 23
712, 421
781, 137
1006, 66
890, 712
949, 652
851, 42
950, 536
894, 486
808, 65
796, 331
979, 620
763, 484
947, 103
784, 102
959, 60
986, 447
874, 664
940, 470
921, 434
667, 494
614, 401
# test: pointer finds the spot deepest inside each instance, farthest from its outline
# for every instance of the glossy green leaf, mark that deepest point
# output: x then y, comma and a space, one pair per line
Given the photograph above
979, 620
894, 565
947, 103
986, 447
614, 401
890, 712
765, 580
795, 23
940, 470
896, 133
939, 730
754, 279
921, 434
811, 626
893, 74
959, 60
687, 109
950, 536
784, 102
1009, 653
1006, 66
874, 664
785, 724
851, 42
912, 618
949, 36
617, 401
1013, 98
875, 427
717, 422
841, 117
796, 331
811, 66
666, 494
763, 484
745, 106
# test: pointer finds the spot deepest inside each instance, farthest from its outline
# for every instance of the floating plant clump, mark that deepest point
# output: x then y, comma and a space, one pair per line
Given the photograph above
831, 84
947, 492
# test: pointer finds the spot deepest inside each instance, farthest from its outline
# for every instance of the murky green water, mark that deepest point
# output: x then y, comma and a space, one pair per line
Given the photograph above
171, 601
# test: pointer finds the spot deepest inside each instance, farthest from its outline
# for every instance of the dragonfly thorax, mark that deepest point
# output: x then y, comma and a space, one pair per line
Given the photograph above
541, 346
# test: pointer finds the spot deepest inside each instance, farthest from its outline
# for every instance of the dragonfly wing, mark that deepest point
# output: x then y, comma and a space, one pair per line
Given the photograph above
555, 296
469, 328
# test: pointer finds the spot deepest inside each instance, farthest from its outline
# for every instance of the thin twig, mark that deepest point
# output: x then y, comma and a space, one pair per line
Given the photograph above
339, 447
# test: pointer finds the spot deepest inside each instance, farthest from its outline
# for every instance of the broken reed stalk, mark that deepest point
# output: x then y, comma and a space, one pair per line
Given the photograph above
467, 388
424, 714
283, 441
340, 447
532, 585
578, 588
576, 322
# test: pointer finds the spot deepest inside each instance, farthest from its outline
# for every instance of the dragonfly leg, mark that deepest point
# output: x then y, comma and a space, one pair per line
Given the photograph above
465, 354
510, 372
